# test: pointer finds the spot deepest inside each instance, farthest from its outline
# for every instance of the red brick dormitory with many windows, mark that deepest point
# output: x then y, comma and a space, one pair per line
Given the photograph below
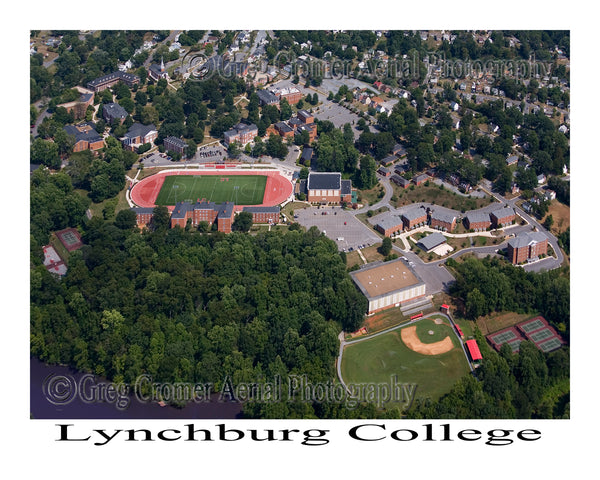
527, 246
210, 212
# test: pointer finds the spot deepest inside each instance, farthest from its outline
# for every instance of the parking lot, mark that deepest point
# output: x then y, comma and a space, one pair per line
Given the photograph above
337, 115
339, 225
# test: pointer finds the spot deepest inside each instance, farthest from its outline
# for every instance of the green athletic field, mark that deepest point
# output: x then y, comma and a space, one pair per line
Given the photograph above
375, 360
240, 189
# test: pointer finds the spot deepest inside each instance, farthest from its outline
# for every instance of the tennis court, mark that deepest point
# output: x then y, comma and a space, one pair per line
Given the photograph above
532, 325
239, 189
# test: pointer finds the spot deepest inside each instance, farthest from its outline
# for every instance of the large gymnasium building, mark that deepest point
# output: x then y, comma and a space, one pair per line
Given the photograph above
388, 284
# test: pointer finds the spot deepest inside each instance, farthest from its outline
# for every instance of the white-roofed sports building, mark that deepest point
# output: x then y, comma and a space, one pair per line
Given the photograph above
388, 284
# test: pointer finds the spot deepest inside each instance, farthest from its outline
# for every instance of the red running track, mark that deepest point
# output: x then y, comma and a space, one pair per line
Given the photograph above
277, 190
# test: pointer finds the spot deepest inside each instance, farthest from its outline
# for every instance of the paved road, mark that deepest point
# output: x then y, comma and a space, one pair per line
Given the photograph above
548, 263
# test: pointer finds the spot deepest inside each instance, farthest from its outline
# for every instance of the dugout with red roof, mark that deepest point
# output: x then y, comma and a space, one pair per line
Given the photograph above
473, 350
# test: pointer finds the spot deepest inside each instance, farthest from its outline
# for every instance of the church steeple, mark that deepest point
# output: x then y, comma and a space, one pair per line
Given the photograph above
162, 65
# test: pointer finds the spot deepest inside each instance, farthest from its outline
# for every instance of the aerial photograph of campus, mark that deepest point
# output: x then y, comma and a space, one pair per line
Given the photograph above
299, 224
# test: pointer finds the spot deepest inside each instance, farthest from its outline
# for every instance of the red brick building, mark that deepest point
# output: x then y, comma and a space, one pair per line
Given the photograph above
527, 246
208, 212
328, 188
86, 137
79, 107
291, 94
241, 134
443, 221
143, 216
388, 226
502, 217
477, 221
268, 215
306, 117
174, 144
107, 81
414, 218
419, 179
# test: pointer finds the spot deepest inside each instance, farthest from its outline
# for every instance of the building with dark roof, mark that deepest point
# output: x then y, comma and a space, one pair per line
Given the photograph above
209, 212
502, 217
443, 220
419, 179
477, 221
143, 216
284, 129
306, 157
86, 136
107, 81
265, 97
138, 135
158, 71
327, 187
414, 218
432, 241
174, 144
400, 181
268, 215
527, 247
388, 160
112, 112
305, 116
389, 225
242, 134
79, 107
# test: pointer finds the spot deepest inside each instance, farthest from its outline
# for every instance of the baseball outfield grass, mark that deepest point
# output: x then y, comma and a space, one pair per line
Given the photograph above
377, 359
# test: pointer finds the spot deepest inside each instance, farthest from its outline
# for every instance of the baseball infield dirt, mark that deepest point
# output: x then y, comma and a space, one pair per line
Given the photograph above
411, 340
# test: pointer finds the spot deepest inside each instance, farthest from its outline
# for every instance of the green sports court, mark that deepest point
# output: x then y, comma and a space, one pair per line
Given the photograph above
239, 189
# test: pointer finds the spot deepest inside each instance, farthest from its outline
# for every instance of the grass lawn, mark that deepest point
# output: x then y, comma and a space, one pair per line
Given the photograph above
561, 214
432, 193
240, 189
499, 320
377, 359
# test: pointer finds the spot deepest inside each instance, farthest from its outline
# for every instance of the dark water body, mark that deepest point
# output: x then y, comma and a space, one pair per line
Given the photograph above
55, 393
